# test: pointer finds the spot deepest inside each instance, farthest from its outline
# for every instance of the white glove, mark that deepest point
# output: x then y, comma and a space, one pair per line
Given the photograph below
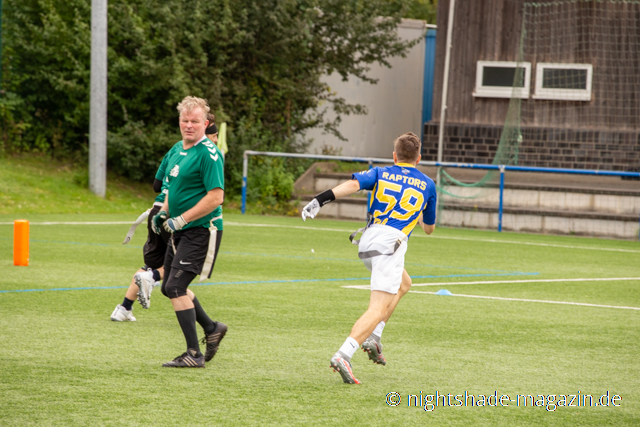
311, 210
174, 224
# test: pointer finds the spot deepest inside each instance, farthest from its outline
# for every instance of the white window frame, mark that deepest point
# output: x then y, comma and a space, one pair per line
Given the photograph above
563, 94
502, 91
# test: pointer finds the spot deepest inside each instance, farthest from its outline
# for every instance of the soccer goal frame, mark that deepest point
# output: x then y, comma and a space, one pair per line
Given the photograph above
502, 169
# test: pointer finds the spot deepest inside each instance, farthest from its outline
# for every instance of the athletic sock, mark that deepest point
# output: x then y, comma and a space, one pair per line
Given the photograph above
187, 321
202, 318
156, 275
377, 332
127, 304
349, 348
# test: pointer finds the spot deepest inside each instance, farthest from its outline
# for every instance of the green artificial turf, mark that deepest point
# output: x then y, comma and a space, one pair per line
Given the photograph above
63, 362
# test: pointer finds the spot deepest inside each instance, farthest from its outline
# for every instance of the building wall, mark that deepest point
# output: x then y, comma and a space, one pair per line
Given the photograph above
394, 104
602, 133
483, 30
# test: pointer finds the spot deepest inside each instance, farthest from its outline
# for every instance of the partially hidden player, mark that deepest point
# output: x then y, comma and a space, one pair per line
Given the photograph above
401, 197
192, 212
212, 130
149, 276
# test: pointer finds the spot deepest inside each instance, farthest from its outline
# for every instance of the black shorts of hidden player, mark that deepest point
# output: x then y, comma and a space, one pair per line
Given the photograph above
156, 245
191, 246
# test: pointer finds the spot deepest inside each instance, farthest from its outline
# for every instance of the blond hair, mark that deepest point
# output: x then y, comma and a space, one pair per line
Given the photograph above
190, 103
407, 147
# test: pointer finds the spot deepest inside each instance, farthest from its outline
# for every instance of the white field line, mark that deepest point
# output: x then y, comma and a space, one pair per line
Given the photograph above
448, 238
299, 227
493, 282
535, 300
536, 244
74, 223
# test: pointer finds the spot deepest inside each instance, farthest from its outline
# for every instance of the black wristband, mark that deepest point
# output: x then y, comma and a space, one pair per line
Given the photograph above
325, 197
157, 185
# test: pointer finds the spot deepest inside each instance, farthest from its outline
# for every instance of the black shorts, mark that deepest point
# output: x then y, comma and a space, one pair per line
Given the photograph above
156, 245
191, 246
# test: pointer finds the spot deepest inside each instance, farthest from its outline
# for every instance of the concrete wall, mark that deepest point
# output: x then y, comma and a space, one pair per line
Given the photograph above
394, 104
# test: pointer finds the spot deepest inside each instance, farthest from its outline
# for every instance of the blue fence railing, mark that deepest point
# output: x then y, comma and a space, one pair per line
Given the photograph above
371, 160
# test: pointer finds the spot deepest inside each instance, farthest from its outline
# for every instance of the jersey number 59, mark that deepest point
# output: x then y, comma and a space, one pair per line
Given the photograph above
411, 200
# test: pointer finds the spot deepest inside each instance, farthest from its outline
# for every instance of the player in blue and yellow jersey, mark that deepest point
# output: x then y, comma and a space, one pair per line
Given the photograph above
401, 198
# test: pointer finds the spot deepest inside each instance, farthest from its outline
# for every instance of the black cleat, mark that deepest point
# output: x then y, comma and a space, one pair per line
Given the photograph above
186, 360
213, 341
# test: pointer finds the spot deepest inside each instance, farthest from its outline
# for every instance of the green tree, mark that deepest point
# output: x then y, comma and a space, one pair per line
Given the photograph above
258, 64
422, 9
48, 46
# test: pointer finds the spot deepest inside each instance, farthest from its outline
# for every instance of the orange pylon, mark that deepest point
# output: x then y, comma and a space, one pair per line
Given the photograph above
21, 242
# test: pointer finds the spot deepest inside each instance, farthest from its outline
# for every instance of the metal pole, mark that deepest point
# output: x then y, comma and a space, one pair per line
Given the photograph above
427, 85
0, 47
445, 85
245, 169
501, 198
98, 107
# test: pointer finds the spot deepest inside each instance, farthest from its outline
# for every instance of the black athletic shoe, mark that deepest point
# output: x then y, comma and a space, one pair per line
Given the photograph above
213, 340
186, 360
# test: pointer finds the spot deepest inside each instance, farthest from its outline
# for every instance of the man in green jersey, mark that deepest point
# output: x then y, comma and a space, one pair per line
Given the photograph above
192, 212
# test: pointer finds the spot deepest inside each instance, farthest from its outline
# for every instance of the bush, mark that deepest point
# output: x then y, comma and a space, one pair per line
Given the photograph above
252, 135
12, 127
135, 150
269, 181
259, 64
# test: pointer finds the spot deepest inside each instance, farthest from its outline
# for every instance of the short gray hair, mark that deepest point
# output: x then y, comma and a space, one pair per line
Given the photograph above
190, 103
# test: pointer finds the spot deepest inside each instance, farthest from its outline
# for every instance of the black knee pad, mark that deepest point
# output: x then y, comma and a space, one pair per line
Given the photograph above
163, 288
177, 283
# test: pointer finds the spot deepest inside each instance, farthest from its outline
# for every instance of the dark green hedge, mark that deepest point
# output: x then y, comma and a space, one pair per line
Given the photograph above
258, 63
